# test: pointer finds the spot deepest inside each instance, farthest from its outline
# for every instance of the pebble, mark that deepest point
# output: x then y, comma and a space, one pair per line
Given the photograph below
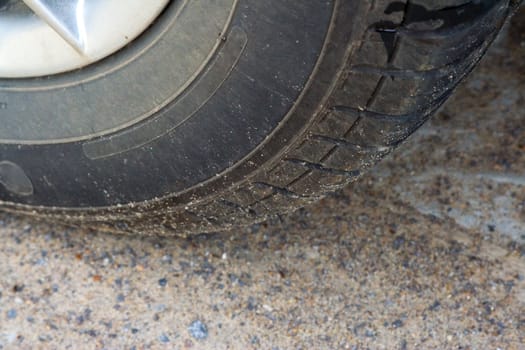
198, 330
397, 324
435, 306
159, 307
163, 282
11, 314
251, 304
398, 242
163, 338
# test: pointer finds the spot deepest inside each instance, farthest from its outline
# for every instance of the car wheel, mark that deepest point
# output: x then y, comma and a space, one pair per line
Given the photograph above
178, 117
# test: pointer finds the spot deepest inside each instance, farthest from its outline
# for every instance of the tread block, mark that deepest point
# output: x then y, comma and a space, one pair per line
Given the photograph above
356, 90
380, 133
329, 183
279, 203
249, 194
335, 124
414, 96
309, 184
349, 159
280, 176
311, 150
373, 50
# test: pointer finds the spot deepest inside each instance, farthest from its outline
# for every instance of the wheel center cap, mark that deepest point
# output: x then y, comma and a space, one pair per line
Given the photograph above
44, 37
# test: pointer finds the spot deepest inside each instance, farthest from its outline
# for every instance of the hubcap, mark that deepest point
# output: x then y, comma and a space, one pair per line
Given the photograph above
44, 37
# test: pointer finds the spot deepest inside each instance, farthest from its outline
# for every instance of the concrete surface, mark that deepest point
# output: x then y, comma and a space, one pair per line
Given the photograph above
427, 252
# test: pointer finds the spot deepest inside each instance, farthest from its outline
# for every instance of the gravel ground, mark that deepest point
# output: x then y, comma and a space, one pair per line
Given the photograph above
427, 252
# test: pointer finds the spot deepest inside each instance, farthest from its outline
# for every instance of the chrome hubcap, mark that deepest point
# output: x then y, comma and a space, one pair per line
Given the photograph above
44, 37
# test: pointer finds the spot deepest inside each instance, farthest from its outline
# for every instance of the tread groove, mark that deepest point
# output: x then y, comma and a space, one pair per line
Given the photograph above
365, 114
349, 145
322, 168
402, 73
279, 190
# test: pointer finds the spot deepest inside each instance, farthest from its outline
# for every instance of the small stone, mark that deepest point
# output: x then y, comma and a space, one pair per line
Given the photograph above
198, 330
163, 282
167, 259
11, 314
163, 338
234, 279
398, 242
435, 306
159, 307
370, 333
397, 324
251, 304
80, 319
97, 278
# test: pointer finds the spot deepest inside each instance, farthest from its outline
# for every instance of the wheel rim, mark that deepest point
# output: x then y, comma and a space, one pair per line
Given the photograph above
45, 37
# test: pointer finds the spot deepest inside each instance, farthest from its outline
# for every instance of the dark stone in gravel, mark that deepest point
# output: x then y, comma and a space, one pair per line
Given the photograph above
87, 313
235, 279
198, 330
398, 242
44, 338
163, 338
252, 304
11, 314
435, 306
167, 259
91, 332
80, 319
163, 282
397, 324
370, 333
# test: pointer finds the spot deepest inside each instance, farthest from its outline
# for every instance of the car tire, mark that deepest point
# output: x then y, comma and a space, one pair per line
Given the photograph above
221, 115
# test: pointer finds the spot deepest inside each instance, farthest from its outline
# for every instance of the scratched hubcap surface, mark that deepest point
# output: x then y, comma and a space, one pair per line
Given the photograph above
44, 37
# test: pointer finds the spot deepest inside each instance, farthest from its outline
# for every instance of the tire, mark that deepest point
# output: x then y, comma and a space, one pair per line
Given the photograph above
291, 100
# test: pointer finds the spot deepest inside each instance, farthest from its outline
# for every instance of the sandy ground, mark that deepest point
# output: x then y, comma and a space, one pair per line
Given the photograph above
427, 252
